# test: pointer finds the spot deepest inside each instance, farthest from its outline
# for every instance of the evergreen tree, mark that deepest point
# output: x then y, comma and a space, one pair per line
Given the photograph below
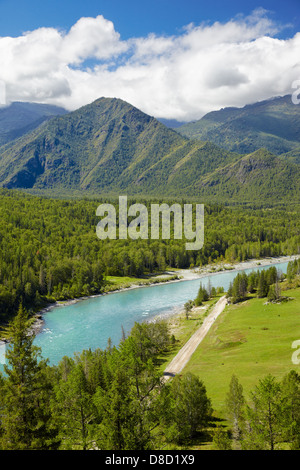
265, 416
213, 292
239, 288
73, 410
26, 389
113, 408
252, 282
274, 292
129, 411
262, 286
271, 275
235, 403
291, 402
230, 290
202, 295
187, 409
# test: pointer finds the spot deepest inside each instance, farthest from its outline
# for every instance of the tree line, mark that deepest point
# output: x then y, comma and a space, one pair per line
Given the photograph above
264, 283
269, 420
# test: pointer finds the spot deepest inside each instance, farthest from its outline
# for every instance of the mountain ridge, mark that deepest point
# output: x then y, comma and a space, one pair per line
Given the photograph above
20, 118
112, 146
273, 124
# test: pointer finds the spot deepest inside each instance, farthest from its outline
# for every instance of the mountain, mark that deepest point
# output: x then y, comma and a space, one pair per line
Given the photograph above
110, 147
256, 176
273, 124
107, 145
172, 123
20, 118
293, 156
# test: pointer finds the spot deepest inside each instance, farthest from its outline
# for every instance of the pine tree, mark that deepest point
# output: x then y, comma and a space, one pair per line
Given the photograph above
188, 409
252, 282
202, 295
274, 292
114, 409
291, 400
235, 403
73, 410
262, 287
265, 416
230, 290
26, 391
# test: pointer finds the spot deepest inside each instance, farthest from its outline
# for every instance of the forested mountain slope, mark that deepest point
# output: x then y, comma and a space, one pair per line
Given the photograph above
273, 124
111, 147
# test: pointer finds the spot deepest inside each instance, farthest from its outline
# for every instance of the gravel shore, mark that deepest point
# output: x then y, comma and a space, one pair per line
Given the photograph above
183, 275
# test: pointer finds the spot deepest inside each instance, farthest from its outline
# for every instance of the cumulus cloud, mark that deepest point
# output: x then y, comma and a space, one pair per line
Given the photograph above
91, 37
205, 67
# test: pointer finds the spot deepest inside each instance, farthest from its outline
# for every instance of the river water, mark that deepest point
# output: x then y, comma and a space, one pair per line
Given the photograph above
90, 322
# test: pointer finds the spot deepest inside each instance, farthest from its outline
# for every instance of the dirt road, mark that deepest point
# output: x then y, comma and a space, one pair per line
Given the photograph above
185, 353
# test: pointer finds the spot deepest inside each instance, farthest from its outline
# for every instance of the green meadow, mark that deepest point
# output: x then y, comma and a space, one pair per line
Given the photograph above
250, 339
113, 283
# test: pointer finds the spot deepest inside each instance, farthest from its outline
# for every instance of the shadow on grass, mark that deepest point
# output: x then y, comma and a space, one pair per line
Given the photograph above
165, 355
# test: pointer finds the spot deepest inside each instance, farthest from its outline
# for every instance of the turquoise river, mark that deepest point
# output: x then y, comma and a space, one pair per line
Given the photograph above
89, 323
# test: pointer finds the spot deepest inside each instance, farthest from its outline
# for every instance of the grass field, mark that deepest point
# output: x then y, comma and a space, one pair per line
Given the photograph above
124, 282
250, 340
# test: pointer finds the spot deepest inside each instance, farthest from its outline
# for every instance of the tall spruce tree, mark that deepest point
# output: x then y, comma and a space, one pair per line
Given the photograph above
262, 287
235, 403
25, 409
202, 295
73, 410
291, 400
188, 408
265, 416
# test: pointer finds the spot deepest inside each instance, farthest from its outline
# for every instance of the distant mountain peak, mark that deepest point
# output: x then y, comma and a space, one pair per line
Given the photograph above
273, 123
19, 118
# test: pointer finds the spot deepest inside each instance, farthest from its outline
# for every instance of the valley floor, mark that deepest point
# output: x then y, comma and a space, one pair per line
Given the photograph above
250, 339
117, 284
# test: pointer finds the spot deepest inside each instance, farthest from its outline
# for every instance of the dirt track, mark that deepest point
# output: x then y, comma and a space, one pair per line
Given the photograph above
185, 353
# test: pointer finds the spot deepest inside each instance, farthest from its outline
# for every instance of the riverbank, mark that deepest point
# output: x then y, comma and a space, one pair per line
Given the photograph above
173, 275
179, 275
198, 272
219, 268
185, 353
215, 268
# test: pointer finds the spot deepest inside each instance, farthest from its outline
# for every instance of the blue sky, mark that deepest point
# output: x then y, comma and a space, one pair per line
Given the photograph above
172, 59
135, 17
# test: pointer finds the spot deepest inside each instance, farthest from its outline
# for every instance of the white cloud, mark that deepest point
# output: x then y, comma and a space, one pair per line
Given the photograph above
91, 37
205, 67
